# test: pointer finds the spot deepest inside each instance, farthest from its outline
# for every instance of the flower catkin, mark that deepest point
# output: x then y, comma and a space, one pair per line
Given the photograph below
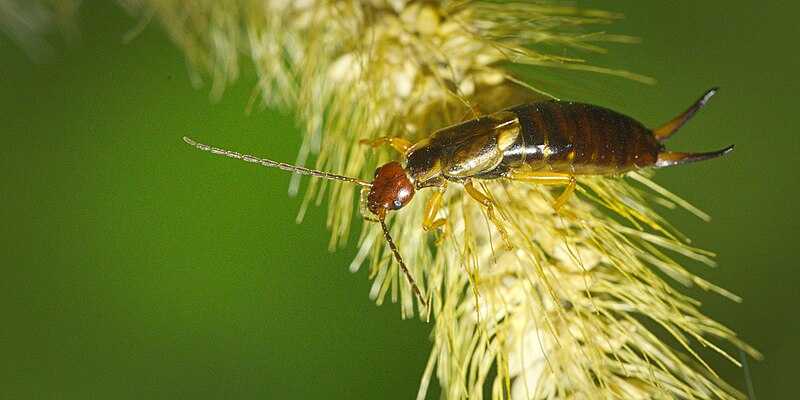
579, 308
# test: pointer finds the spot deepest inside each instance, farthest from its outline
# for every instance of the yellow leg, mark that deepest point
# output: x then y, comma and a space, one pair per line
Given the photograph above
489, 204
548, 178
363, 202
430, 223
475, 111
400, 145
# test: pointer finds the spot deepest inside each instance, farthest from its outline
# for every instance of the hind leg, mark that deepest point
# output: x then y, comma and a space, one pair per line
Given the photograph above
548, 178
475, 112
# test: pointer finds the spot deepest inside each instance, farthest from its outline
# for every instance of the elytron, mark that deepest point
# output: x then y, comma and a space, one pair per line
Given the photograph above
550, 142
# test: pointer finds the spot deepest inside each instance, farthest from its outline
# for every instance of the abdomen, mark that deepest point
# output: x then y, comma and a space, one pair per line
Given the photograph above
579, 139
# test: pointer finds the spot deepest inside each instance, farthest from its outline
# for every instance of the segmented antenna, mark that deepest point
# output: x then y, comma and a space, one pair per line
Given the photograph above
400, 261
270, 163
325, 175
751, 392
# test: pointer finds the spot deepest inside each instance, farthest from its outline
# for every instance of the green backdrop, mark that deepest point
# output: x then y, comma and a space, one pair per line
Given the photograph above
136, 267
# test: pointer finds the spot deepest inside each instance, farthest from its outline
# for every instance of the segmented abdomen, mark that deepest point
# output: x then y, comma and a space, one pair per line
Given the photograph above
580, 139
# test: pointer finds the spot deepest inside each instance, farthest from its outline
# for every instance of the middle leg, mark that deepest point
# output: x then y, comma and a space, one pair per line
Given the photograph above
489, 204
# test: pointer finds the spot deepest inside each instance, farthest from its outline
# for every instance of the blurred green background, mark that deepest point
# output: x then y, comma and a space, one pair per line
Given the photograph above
136, 267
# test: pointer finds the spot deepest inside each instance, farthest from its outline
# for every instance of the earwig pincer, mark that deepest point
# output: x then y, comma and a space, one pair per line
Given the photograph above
550, 142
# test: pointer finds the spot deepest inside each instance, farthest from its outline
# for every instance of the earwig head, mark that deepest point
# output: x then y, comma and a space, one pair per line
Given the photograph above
391, 189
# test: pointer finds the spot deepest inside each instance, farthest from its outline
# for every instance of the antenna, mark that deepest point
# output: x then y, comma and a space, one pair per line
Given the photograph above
400, 261
380, 211
270, 163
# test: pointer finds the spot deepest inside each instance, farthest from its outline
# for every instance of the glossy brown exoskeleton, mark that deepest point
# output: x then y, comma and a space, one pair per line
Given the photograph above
550, 142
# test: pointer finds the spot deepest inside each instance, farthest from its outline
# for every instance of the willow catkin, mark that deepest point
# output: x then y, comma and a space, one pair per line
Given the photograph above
560, 316
570, 311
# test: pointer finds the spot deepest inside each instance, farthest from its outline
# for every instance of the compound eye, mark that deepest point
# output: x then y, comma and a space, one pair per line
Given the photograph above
397, 204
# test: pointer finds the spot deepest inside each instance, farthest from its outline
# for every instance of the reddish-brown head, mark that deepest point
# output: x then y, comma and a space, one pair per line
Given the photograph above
391, 189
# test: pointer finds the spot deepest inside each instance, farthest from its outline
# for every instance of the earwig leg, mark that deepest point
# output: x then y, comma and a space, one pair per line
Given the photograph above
430, 223
548, 178
567, 192
475, 111
400, 145
489, 204
363, 203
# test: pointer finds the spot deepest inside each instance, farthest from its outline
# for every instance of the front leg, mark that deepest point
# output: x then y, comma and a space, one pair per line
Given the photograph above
363, 203
400, 145
430, 223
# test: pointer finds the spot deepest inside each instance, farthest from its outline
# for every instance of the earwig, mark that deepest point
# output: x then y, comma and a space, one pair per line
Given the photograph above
549, 142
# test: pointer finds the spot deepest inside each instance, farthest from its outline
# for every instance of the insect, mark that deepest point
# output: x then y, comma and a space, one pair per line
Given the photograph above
549, 143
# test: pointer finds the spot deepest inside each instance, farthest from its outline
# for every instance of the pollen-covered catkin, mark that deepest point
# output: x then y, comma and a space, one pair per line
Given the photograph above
567, 313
